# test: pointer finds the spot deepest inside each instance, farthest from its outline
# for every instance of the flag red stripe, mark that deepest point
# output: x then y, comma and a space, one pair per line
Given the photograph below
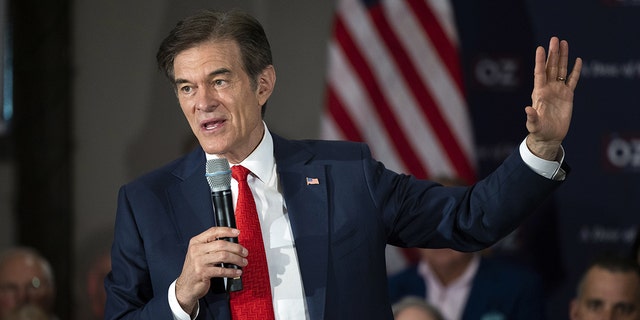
341, 117
381, 105
422, 95
446, 49
339, 99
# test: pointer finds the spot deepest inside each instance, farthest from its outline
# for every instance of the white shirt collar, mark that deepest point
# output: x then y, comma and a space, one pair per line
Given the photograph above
465, 278
261, 161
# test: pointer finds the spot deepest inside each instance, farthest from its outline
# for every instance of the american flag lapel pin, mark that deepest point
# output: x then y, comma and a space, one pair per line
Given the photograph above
312, 181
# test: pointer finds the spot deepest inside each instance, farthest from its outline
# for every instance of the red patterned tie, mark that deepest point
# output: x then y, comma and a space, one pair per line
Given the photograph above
254, 300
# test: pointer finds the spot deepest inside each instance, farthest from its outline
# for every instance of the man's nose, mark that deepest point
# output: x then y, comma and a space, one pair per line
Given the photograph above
611, 314
22, 296
29, 293
207, 99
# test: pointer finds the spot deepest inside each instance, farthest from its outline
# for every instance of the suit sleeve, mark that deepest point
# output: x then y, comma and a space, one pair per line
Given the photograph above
420, 213
128, 286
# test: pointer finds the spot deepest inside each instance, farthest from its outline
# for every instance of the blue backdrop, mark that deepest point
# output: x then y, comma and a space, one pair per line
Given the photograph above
598, 207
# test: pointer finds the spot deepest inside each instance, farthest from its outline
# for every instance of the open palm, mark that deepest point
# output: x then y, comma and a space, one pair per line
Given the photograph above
549, 116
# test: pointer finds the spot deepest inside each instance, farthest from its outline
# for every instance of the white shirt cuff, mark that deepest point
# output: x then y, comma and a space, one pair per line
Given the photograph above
176, 309
545, 168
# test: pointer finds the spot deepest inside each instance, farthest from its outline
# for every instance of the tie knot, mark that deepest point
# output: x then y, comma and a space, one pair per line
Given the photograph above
239, 173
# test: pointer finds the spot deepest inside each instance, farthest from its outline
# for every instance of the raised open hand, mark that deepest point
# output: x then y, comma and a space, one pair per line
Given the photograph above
549, 116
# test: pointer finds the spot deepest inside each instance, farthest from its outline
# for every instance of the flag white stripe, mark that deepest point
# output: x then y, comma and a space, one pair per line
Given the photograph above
444, 13
418, 132
433, 72
350, 90
329, 130
353, 96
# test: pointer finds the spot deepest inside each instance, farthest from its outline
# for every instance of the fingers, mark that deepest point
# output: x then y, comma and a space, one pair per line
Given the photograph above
539, 71
214, 250
203, 261
217, 252
552, 59
555, 66
532, 119
207, 252
564, 59
572, 81
561, 60
215, 233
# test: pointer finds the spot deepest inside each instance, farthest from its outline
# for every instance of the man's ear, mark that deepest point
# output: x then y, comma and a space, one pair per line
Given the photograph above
266, 83
573, 309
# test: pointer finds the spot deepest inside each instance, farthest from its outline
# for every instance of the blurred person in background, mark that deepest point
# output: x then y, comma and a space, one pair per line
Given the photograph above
415, 308
609, 289
466, 285
27, 312
26, 279
94, 263
99, 268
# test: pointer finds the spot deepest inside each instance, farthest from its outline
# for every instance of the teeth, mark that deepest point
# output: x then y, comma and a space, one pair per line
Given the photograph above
211, 125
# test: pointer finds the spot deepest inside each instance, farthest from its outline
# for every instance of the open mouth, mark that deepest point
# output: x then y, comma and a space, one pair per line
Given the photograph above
211, 124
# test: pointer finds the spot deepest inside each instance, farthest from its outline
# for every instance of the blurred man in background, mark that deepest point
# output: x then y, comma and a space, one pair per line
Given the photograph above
26, 279
609, 289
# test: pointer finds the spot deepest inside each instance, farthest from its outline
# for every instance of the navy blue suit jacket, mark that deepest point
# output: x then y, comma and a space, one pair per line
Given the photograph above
499, 290
341, 226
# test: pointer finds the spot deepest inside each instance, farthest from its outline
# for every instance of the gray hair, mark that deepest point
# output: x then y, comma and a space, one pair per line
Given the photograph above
27, 252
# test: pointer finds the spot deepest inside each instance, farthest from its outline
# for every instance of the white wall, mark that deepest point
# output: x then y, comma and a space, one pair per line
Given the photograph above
127, 120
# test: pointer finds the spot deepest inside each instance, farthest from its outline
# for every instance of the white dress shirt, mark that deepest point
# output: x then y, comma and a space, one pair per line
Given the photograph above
284, 273
450, 299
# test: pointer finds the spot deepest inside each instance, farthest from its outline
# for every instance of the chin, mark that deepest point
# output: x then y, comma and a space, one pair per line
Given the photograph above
211, 149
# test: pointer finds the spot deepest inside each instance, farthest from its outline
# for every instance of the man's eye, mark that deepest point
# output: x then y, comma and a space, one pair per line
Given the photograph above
219, 82
186, 89
625, 308
594, 305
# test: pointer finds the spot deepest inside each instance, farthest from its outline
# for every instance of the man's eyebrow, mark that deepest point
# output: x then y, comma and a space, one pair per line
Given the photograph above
211, 74
219, 72
628, 305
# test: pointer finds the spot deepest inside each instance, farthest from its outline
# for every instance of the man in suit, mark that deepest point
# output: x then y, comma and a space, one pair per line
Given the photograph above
326, 209
609, 289
27, 284
465, 285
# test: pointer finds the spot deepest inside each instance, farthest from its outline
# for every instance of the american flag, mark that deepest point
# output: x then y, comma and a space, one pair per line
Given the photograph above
394, 81
312, 181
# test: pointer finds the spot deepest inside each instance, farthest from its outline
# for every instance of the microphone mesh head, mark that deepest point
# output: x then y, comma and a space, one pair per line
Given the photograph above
218, 174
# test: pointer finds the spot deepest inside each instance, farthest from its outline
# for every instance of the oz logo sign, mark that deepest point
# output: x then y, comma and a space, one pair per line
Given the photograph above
623, 153
497, 72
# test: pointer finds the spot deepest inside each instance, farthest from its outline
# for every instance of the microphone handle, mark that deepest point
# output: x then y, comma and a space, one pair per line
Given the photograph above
225, 217
223, 210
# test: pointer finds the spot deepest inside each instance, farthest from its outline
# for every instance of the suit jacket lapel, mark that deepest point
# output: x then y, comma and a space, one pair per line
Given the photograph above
306, 204
193, 214
478, 299
191, 198
308, 212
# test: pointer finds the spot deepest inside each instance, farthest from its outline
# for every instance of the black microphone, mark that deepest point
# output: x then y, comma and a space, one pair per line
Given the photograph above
218, 175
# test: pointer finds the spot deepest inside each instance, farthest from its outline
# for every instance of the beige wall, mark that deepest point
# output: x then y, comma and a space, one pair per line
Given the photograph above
127, 120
